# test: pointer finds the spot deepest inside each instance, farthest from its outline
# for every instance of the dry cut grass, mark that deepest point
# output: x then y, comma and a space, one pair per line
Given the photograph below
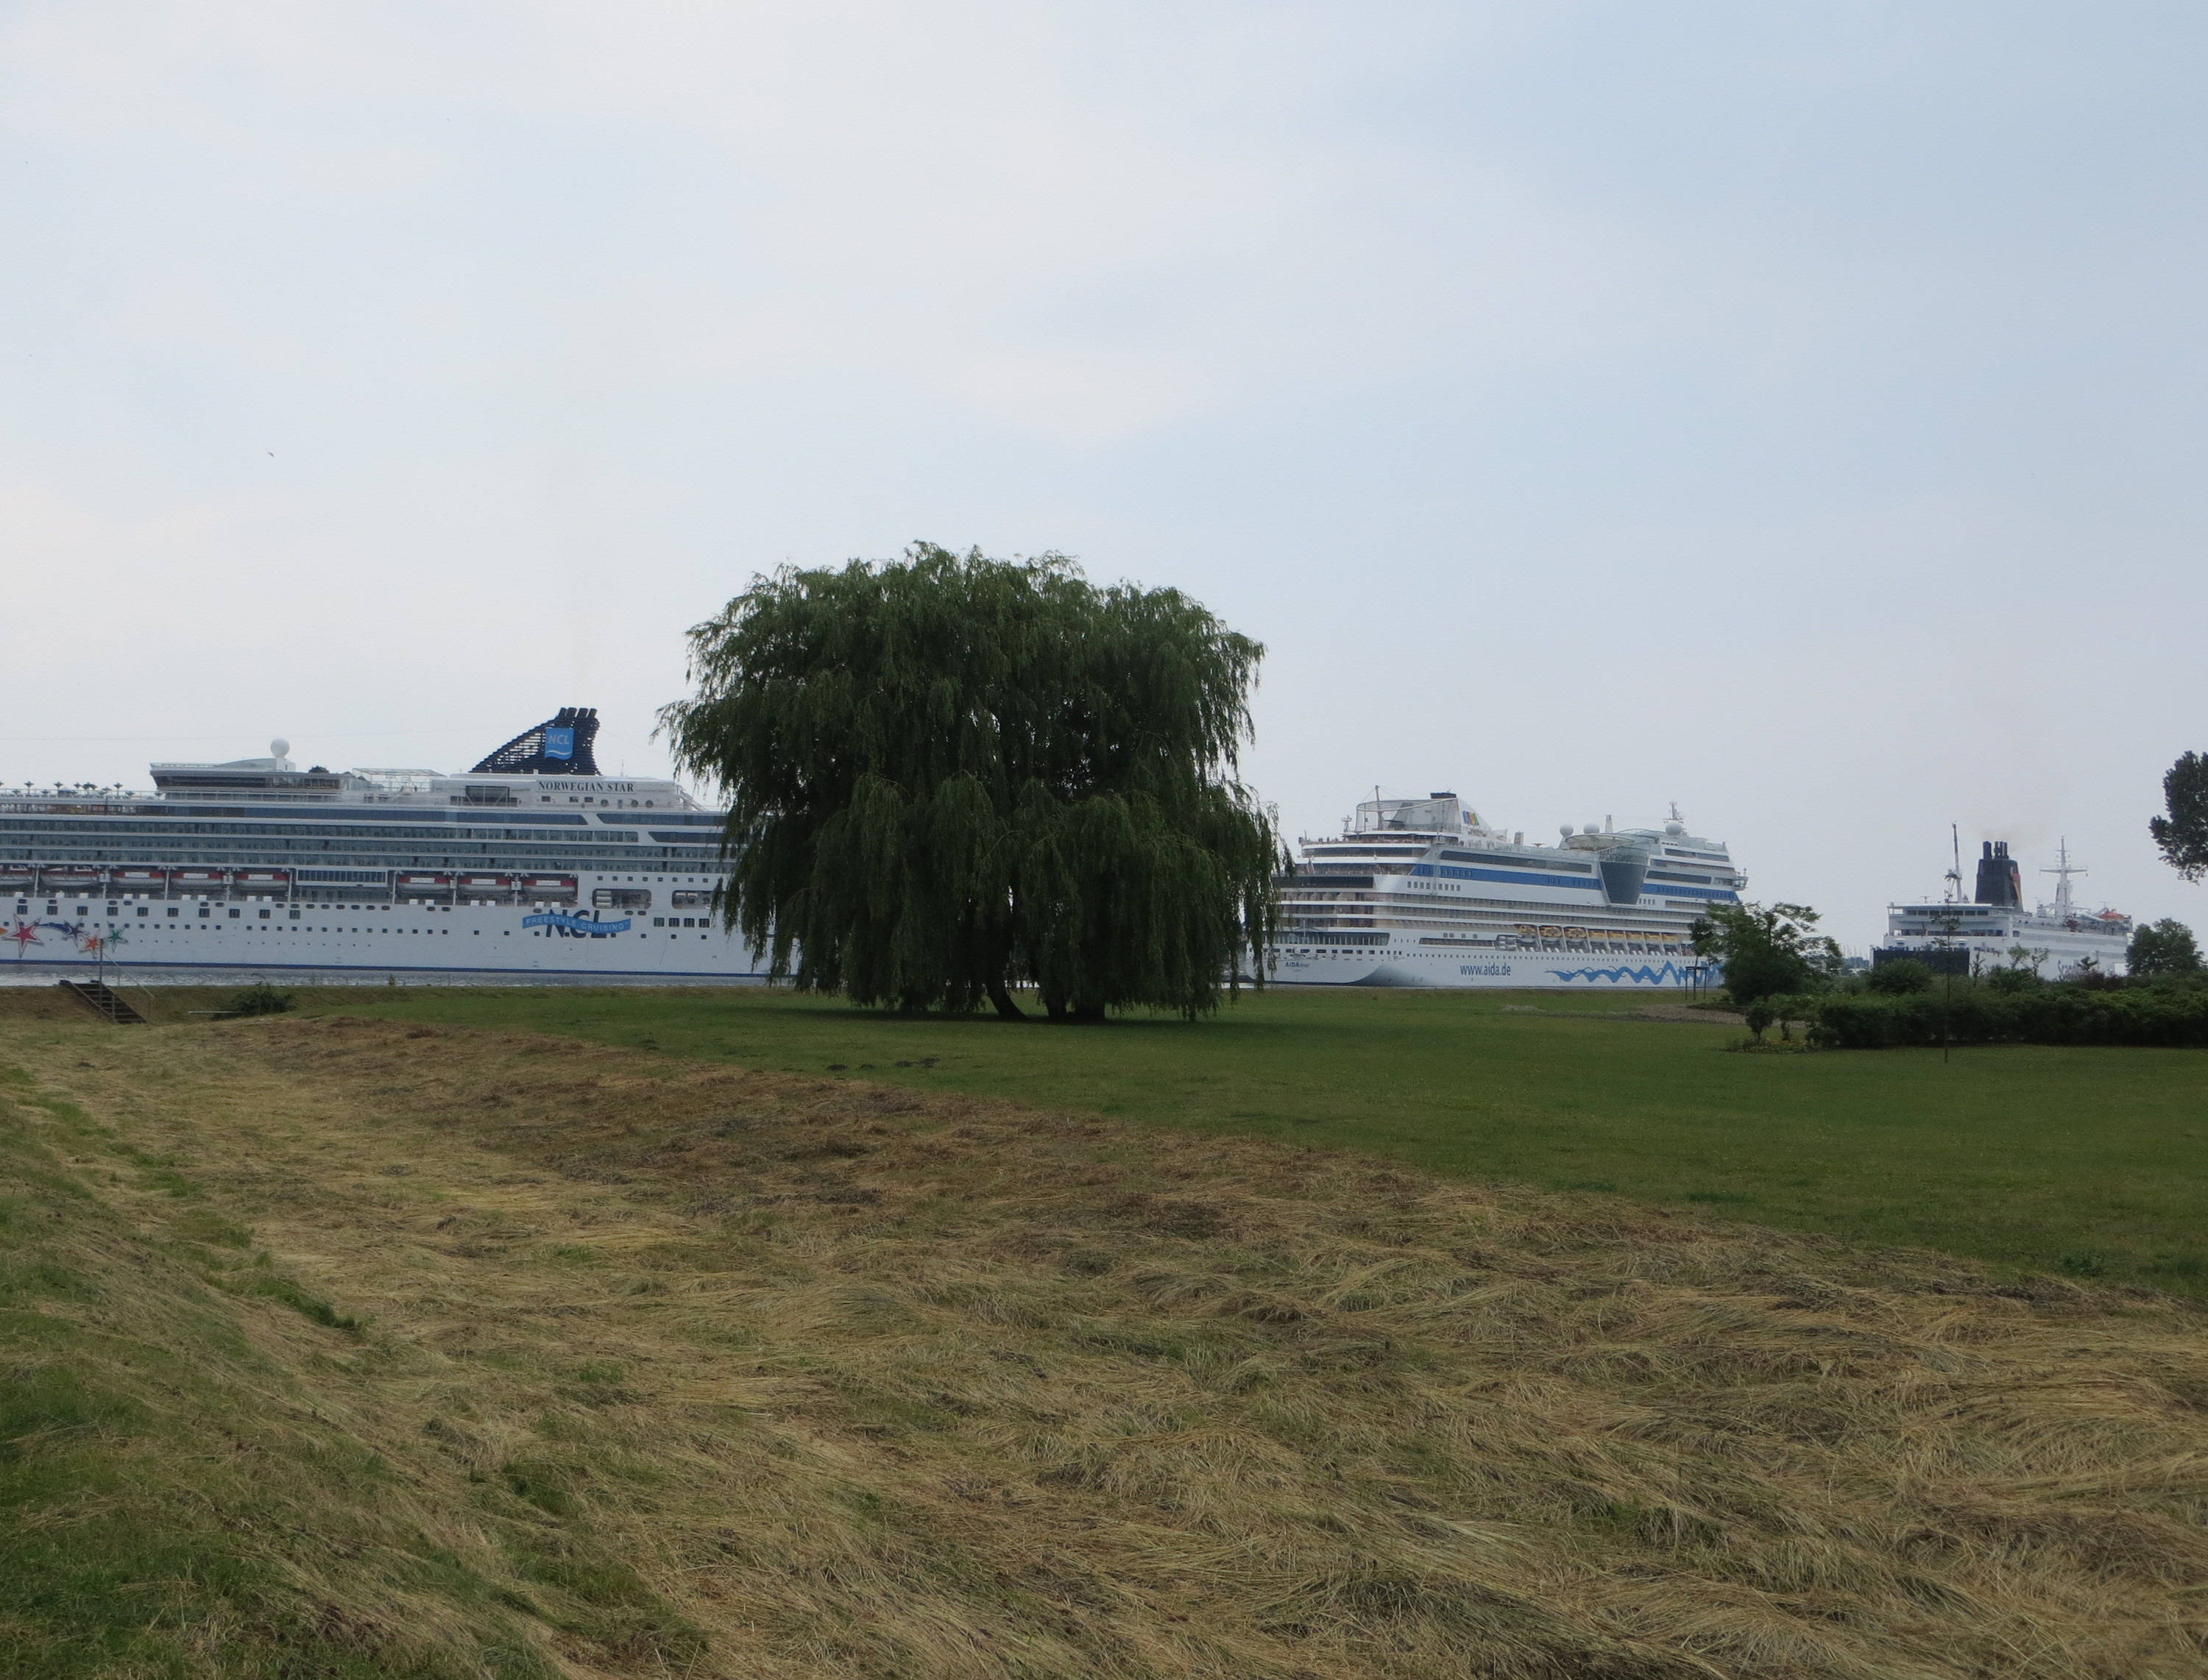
670, 1368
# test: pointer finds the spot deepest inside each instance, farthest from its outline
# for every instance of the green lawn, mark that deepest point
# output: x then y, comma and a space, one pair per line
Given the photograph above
2089, 1161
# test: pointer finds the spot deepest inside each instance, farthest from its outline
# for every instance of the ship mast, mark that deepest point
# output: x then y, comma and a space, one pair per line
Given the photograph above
2063, 870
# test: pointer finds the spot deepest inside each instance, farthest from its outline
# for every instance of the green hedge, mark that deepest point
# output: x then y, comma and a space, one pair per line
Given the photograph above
2052, 1015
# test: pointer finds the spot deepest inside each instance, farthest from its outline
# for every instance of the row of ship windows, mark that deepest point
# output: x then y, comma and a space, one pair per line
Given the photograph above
380, 841
1396, 907
602, 898
348, 832
683, 900
207, 913
1306, 930
1579, 940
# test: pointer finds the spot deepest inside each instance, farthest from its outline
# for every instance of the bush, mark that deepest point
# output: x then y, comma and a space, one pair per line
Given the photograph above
2040, 1015
1899, 978
260, 998
2014, 980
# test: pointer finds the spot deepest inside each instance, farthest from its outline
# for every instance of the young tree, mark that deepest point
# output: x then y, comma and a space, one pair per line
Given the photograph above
1767, 952
2183, 834
949, 775
2167, 947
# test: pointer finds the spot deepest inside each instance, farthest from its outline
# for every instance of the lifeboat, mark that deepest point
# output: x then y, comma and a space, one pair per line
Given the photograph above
69, 878
549, 886
200, 880
408, 882
18, 877
477, 887
260, 881
1553, 932
138, 880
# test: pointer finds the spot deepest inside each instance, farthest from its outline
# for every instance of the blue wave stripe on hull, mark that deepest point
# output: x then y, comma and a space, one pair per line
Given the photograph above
1642, 974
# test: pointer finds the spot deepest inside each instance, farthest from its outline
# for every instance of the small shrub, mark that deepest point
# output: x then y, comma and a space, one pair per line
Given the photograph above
260, 998
1900, 978
2013, 980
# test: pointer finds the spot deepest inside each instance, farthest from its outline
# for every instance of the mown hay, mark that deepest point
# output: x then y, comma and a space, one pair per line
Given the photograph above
760, 1375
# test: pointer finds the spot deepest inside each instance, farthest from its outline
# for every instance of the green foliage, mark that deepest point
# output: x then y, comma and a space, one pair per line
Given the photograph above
1789, 1007
1900, 977
2013, 979
950, 775
260, 998
1765, 952
2165, 948
2040, 1015
2183, 834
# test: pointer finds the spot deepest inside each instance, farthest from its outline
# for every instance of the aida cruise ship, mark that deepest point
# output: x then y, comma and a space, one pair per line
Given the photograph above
533, 863
1421, 893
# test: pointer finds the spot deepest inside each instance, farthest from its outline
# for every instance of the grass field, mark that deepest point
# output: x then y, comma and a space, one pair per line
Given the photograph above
2090, 1162
341, 1348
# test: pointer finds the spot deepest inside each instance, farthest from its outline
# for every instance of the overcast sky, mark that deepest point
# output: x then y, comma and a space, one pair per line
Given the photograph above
1795, 411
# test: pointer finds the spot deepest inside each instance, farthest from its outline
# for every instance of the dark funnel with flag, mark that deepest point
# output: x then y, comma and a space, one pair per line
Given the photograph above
560, 746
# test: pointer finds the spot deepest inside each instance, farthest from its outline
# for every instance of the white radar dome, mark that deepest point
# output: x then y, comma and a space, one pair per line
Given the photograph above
278, 747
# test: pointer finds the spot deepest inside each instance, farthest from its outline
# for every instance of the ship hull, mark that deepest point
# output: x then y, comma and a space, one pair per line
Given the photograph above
158, 938
1558, 970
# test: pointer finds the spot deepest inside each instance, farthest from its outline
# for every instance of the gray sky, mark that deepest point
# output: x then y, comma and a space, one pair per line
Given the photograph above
1794, 411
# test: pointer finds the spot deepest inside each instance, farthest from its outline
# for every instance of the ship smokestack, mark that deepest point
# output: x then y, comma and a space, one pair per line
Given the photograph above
1999, 882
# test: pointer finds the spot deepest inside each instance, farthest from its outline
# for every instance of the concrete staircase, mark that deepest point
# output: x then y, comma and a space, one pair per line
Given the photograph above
104, 999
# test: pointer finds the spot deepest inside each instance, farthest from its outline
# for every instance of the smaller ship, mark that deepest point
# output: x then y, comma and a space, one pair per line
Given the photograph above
1993, 930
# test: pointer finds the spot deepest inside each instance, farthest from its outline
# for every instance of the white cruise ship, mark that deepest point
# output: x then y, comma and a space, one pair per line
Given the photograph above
2058, 940
1420, 892
532, 864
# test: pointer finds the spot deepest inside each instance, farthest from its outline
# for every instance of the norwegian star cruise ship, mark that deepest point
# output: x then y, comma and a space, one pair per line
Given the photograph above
1421, 893
532, 864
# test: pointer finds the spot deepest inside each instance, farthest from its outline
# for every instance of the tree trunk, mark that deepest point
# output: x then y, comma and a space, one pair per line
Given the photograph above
1000, 996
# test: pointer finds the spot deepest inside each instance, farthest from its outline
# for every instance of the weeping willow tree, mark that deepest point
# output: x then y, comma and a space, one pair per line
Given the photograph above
950, 776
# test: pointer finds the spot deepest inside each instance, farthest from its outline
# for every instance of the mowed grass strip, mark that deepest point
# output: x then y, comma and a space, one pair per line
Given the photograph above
633, 1364
2083, 1162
